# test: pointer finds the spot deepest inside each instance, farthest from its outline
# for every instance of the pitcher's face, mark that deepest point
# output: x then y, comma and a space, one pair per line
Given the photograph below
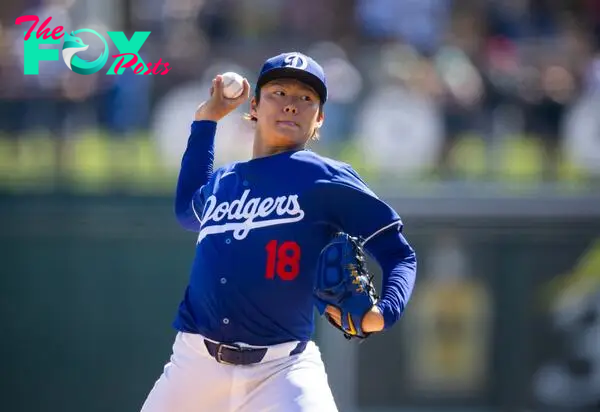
288, 112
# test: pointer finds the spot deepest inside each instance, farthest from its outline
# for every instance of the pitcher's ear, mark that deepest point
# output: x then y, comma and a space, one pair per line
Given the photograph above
320, 118
253, 107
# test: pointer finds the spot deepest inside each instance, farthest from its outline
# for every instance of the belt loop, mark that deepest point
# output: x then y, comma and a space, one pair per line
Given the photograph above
299, 348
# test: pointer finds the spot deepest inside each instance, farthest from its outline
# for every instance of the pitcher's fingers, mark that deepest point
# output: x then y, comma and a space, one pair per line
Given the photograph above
219, 87
213, 86
246, 90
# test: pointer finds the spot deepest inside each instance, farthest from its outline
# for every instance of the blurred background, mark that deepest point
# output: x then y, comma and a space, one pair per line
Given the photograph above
478, 120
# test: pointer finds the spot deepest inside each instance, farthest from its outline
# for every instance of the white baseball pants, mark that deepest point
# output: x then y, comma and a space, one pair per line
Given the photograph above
193, 381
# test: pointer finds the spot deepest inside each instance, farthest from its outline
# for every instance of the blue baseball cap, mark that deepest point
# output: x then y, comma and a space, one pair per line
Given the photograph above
295, 66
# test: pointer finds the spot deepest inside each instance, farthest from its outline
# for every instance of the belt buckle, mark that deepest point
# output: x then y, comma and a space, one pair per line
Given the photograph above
219, 355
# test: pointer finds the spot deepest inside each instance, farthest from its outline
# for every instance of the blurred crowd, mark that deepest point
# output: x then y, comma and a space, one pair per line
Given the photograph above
417, 86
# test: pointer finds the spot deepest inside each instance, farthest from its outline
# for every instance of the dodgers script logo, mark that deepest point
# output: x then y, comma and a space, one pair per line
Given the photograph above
240, 216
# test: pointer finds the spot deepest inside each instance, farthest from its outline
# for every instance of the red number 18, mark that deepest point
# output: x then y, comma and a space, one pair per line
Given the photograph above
283, 259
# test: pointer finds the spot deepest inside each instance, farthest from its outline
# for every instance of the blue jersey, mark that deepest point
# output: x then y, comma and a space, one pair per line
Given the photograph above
261, 225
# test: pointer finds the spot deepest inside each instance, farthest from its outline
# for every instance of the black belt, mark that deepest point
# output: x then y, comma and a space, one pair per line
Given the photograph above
236, 355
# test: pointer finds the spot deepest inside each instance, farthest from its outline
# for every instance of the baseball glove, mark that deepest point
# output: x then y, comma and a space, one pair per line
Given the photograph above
343, 282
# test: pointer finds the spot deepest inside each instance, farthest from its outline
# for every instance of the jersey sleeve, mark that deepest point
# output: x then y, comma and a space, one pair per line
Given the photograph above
196, 170
351, 206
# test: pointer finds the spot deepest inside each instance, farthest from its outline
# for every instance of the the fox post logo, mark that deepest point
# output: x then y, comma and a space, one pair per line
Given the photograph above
127, 57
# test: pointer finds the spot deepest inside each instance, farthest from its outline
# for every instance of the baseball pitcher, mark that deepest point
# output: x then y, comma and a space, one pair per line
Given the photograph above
277, 235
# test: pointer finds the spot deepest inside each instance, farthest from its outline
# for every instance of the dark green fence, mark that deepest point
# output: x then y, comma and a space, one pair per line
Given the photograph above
88, 290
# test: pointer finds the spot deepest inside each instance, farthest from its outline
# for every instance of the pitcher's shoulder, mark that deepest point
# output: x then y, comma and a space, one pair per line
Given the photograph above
326, 171
320, 163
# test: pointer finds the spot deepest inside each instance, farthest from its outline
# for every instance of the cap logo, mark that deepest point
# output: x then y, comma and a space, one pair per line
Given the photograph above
296, 61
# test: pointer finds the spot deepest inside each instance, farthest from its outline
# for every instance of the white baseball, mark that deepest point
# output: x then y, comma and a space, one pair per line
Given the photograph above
233, 85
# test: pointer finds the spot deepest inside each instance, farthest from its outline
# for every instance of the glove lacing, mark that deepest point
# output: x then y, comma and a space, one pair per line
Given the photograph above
362, 268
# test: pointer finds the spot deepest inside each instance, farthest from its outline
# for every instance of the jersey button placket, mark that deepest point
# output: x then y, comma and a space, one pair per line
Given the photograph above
223, 282
223, 279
